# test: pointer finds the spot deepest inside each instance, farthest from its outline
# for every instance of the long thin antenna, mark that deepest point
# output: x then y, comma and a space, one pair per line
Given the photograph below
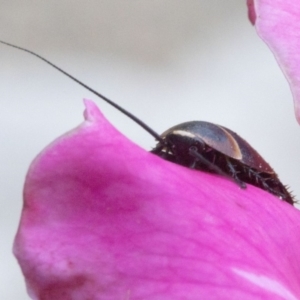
121, 109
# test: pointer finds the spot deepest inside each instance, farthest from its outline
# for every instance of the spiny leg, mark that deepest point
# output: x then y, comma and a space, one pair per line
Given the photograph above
234, 174
267, 182
198, 157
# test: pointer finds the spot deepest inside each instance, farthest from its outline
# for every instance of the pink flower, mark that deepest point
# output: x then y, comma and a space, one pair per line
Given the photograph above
278, 23
104, 219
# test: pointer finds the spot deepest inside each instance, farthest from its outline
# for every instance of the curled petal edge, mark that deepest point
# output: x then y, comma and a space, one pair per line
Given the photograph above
277, 22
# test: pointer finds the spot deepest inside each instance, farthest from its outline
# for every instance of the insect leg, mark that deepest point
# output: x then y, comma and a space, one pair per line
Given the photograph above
198, 157
234, 174
271, 184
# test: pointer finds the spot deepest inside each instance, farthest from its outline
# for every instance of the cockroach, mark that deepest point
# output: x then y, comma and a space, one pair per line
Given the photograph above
204, 146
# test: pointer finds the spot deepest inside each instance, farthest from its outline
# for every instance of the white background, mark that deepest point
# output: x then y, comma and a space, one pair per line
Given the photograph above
166, 61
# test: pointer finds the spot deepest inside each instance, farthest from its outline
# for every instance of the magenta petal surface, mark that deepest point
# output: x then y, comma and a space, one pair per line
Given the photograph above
105, 219
278, 23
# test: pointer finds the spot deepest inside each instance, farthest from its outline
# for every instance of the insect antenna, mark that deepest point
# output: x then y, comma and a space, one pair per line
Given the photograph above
118, 107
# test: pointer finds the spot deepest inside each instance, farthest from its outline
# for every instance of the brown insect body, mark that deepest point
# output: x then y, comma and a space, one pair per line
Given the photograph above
214, 148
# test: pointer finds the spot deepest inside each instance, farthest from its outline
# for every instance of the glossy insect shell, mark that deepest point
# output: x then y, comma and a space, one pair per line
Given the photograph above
221, 139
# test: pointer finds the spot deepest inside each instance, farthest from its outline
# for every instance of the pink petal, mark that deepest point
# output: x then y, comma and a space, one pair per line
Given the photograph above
278, 23
104, 219
251, 11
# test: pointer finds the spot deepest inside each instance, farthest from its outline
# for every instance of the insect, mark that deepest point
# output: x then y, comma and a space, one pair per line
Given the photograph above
204, 146
214, 148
